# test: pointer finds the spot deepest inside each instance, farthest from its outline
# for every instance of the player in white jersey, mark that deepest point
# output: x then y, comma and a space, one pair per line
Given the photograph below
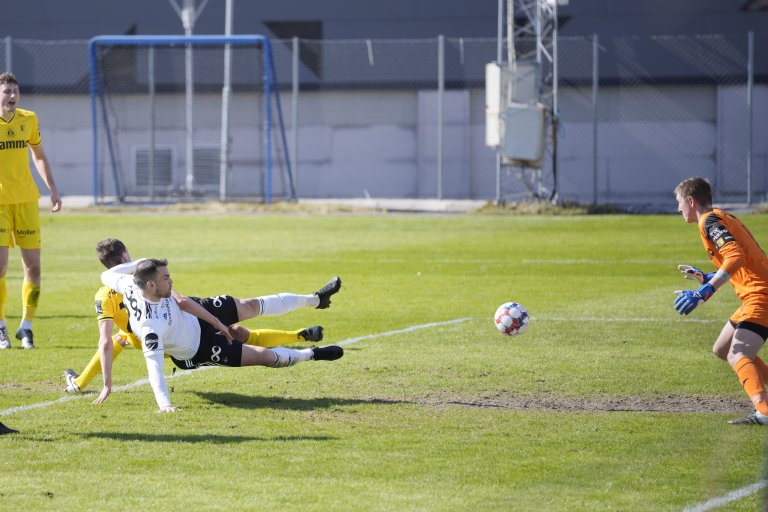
157, 319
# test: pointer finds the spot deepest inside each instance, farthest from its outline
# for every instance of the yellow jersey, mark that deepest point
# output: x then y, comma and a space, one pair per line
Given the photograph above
110, 306
16, 135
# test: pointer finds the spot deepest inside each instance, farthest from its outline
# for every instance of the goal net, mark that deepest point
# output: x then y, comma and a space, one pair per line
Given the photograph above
186, 117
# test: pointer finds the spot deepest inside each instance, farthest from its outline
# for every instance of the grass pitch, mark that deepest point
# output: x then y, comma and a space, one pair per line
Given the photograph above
610, 400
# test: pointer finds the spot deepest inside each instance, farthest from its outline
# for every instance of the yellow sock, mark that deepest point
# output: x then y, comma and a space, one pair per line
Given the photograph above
30, 294
750, 379
3, 293
271, 337
93, 368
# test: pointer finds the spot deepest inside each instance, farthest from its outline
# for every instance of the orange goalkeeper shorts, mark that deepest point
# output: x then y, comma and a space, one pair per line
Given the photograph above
753, 309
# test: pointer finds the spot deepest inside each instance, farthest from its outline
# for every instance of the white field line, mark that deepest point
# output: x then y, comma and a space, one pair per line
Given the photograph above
703, 507
731, 496
141, 382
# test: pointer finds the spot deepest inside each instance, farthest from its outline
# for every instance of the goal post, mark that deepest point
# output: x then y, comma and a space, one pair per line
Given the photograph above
157, 135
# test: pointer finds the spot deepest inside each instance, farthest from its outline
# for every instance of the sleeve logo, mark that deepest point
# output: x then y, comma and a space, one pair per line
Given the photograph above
151, 341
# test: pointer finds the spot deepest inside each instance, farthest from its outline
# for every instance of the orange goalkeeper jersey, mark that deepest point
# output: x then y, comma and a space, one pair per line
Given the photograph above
732, 247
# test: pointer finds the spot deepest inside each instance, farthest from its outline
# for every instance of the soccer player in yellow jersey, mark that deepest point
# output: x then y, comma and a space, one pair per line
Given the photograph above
19, 215
740, 261
111, 312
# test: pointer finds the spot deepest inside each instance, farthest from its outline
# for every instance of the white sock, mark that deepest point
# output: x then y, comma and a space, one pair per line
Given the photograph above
284, 302
2, 322
289, 357
26, 324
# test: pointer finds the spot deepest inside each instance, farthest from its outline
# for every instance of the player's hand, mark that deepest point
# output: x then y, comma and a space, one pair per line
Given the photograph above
689, 299
224, 330
105, 391
167, 408
55, 201
693, 273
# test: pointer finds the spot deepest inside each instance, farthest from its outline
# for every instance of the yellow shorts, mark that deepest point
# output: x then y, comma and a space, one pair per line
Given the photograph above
753, 309
20, 223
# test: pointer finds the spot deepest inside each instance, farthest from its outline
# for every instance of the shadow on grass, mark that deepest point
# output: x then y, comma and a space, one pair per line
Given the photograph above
196, 438
278, 402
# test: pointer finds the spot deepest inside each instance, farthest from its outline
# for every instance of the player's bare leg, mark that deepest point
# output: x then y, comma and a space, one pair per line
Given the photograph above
744, 347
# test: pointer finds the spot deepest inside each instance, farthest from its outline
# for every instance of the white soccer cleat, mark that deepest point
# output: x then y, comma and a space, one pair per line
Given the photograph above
70, 376
5, 341
754, 418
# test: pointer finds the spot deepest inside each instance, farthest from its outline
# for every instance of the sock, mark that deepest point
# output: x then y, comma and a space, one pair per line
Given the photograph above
289, 357
3, 294
93, 368
749, 376
30, 294
271, 337
762, 368
284, 302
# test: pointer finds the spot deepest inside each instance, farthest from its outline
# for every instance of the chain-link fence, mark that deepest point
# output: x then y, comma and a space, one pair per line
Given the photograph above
406, 118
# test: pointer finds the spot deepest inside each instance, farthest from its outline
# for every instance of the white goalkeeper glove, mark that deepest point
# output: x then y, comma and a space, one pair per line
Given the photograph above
693, 273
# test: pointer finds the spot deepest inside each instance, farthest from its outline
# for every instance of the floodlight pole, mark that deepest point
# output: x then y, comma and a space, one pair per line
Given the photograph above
189, 14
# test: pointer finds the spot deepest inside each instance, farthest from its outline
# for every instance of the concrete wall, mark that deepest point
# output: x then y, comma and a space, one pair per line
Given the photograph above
384, 143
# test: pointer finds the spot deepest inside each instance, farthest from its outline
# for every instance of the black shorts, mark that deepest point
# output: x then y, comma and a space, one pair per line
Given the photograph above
758, 329
214, 348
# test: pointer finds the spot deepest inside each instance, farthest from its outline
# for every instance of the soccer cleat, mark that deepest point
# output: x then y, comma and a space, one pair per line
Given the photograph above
7, 430
69, 377
324, 293
314, 333
27, 340
5, 341
329, 353
754, 418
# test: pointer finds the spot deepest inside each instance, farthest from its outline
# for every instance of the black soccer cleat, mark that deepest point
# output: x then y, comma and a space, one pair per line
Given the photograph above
314, 333
753, 418
7, 430
324, 293
329, 353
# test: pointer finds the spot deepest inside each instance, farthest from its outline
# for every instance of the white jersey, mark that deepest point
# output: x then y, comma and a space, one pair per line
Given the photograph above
162, 326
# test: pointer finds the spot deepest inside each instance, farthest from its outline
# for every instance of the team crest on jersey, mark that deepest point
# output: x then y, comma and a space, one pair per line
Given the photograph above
11, 133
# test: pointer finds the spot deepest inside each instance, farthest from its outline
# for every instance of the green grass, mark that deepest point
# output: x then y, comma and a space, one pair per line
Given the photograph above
453, 417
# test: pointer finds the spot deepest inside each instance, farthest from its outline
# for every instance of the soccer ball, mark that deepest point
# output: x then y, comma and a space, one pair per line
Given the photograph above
511, 319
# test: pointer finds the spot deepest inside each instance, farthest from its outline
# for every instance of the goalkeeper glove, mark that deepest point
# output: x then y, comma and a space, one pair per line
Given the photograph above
689, 299
695, 274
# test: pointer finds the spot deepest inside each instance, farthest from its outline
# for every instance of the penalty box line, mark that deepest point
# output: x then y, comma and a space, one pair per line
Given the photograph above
141, 382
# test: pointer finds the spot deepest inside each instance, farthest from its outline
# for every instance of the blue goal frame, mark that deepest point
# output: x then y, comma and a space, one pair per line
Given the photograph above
270, 87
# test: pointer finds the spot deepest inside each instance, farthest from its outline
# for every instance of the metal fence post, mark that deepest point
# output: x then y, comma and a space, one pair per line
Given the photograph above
8, 53
440, 90
295, 108
595, 86
750, 82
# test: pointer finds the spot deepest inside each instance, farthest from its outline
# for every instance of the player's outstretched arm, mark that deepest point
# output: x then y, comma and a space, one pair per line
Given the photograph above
105, 354
193, 308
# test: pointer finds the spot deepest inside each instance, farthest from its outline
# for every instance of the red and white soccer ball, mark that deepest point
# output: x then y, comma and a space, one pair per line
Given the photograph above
511, 319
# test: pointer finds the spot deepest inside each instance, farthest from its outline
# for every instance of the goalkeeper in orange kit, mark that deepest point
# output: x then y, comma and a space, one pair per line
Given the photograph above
740, 261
